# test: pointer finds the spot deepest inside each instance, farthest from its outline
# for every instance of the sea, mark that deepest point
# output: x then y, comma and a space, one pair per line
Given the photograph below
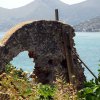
88, 48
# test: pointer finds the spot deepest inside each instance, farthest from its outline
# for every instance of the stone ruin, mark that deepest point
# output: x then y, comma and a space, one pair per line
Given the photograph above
44, 40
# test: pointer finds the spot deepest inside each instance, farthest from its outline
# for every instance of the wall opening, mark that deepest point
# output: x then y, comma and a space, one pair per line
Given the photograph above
23, 61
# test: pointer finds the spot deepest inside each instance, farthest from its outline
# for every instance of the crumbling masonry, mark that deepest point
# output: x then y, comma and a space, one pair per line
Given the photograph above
44, 40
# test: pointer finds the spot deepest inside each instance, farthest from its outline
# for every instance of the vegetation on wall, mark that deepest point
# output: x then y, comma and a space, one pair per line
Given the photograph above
16, 85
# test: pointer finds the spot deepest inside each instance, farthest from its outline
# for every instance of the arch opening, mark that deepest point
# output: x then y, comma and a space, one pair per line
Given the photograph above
22, 60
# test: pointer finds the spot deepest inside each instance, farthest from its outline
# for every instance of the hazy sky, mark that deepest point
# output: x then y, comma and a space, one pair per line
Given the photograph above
18, 3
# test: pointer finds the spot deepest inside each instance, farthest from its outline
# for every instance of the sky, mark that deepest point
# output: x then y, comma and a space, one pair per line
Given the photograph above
10, 4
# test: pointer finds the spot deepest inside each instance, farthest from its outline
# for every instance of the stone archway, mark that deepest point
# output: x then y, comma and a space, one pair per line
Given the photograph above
44, 40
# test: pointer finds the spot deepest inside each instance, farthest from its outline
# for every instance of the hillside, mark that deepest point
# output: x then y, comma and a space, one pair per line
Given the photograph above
92, 25
44, 9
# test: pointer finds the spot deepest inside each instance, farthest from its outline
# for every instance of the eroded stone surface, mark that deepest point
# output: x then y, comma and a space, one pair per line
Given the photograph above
44, 42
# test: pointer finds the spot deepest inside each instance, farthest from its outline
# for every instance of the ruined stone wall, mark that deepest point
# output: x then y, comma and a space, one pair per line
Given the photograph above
44, 39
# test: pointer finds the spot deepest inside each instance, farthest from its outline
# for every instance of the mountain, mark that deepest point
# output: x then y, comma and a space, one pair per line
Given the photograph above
85, 10
44, 9
92, 25
38, 9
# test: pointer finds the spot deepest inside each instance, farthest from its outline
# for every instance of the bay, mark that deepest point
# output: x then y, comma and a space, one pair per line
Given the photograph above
88, 48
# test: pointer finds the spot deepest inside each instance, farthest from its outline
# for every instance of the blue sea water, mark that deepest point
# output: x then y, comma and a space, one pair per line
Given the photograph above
88, 48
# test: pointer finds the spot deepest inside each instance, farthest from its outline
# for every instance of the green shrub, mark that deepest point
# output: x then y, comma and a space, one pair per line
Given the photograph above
91, 90
46, 92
